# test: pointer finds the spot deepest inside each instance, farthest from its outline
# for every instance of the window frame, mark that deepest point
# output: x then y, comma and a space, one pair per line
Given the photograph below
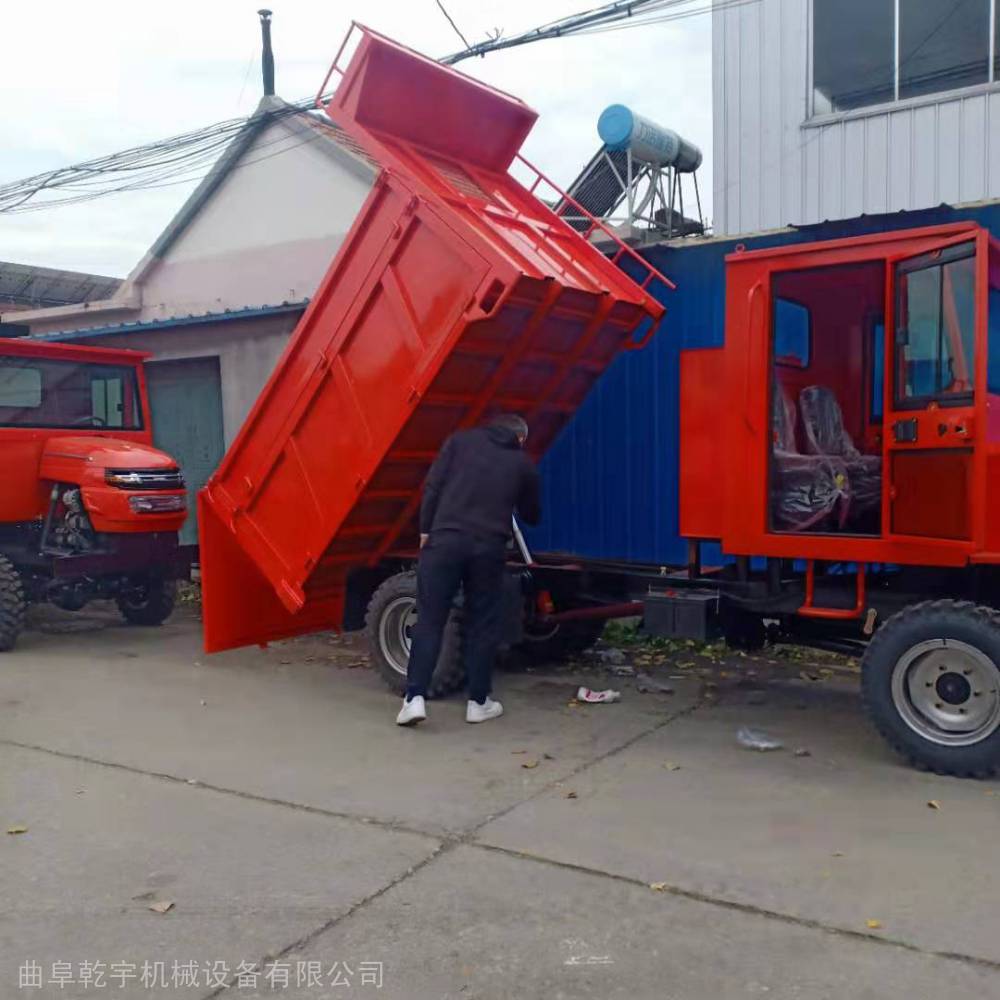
947, 255
897, 103
130, 384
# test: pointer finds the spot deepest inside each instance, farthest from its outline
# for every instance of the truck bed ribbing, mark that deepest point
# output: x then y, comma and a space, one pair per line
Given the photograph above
457, 293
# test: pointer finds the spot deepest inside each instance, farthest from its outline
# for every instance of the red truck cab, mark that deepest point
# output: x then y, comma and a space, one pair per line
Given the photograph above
88, 507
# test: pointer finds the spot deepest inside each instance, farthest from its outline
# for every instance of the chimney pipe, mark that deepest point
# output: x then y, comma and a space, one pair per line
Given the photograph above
267, 56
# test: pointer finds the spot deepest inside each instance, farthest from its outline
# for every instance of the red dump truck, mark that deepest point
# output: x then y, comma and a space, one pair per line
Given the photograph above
457, 293
850, 474
88, 507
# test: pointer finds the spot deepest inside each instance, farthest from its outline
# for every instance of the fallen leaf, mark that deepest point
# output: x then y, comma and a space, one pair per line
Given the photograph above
17, 829
658, 886
933, 804
529, 764
161, 906
572, 795
671, 766
873, 925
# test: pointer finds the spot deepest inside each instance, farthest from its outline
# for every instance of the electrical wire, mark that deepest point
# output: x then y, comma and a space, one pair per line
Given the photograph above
611, 17
465, 40
187, 157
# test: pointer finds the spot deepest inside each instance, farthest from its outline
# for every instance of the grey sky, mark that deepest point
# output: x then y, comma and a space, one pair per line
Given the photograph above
82, 80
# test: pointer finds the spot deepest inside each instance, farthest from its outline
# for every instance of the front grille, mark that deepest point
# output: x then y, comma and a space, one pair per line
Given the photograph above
146, 479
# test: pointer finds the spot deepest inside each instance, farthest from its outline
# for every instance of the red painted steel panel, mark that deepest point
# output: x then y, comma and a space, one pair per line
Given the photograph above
701, 507
457, 293
740, 455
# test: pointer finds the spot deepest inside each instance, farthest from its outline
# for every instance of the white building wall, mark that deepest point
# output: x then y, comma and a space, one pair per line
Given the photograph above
773, 166
266, 236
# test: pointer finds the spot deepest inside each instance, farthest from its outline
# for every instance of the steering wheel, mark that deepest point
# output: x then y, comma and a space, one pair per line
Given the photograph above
94, 421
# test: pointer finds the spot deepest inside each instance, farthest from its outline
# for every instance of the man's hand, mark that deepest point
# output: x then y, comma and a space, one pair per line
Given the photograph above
423, 540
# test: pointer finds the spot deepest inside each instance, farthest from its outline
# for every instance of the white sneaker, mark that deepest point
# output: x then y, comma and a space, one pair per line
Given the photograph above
413, 711
490, 709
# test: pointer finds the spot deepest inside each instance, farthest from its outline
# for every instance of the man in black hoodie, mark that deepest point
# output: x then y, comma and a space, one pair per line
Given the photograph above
477, 482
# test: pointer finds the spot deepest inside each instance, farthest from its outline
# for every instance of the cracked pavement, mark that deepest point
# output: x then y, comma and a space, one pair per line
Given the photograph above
268, 797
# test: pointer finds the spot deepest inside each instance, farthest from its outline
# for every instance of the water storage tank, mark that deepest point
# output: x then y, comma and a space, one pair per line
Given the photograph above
621, 128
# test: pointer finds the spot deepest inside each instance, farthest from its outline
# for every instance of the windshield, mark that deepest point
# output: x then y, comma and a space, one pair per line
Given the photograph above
38, 392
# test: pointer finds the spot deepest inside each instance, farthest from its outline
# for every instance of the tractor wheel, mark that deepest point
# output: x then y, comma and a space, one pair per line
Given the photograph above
12, 605
931, 684
557, 643
150, 602
389, 621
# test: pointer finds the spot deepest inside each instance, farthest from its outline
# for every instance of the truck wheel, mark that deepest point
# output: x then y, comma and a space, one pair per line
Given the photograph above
148, 603
389, 621
931, 684
556, 643
744, 631
12, 605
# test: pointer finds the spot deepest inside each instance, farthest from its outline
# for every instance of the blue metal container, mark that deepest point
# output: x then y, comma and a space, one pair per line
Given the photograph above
610, 481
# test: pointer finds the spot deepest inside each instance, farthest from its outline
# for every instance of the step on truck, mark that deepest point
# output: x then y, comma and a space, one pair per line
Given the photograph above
88, 507
459, 292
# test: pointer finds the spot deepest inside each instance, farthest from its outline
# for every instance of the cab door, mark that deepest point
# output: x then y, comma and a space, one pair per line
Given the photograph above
930, 394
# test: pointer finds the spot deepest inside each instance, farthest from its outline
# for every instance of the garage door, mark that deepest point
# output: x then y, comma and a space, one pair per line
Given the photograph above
186, 399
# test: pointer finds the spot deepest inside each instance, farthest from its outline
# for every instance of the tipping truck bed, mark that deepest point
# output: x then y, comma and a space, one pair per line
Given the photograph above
457, 293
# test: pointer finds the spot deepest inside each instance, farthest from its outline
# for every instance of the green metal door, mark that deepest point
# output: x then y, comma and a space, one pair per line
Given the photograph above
186, 400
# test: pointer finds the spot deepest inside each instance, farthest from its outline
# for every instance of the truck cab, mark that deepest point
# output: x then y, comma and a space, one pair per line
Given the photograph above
853, 474
88, 507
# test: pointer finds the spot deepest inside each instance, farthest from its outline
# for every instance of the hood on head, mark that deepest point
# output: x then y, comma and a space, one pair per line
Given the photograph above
503, 436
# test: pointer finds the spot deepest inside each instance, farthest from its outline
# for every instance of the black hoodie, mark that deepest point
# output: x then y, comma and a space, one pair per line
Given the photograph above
478, 480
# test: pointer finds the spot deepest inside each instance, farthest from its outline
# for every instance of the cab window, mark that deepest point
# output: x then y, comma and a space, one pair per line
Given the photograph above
935, 328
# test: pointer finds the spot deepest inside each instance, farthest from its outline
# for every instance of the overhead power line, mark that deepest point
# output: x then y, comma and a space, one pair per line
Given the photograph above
611, 17
465, 40
187, 157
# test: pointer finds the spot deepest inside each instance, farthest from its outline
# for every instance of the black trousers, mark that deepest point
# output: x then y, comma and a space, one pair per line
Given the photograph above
448, 561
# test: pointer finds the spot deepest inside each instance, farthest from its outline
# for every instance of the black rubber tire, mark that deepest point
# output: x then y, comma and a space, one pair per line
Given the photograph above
965, 621
744, 631
12, 605
156, 607
449, 674
568, 639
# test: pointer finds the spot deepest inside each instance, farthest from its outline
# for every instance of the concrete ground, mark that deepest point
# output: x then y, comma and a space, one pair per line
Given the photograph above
629, 850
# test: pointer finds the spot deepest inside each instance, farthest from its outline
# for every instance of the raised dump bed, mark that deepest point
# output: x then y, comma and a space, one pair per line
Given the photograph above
456, 294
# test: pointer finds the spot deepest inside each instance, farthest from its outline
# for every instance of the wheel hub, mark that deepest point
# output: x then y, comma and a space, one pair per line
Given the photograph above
953, 688
948, 692
395, 632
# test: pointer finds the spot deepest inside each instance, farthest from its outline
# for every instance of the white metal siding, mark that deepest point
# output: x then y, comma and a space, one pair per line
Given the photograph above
770, 171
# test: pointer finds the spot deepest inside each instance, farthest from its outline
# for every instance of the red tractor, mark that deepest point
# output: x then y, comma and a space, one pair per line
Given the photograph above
853, 471
88, 508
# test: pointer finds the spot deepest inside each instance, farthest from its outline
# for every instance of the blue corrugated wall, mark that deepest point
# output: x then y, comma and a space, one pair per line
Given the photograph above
610, 481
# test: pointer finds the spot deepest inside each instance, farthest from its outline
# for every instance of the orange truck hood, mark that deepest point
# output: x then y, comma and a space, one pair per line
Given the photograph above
101, 453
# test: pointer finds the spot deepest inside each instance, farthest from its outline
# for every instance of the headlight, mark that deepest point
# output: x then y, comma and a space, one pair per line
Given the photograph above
125, 480
157, 504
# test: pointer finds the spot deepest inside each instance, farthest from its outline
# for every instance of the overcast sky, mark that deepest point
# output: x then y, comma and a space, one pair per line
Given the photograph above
79, 80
